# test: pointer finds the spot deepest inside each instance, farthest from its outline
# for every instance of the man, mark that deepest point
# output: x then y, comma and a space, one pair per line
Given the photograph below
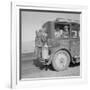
66, 32
59, 33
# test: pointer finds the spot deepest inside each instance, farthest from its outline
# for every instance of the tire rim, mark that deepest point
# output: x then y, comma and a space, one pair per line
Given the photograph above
60, 59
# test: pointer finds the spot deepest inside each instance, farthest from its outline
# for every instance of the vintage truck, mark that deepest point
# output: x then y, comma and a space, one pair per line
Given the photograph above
58, 43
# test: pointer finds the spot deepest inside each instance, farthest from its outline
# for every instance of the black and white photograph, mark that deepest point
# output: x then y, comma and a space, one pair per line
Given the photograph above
49, 43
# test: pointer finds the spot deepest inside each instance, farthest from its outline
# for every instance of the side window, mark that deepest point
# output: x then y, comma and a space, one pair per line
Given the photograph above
62, 31
75, 30
59, 31
74, 34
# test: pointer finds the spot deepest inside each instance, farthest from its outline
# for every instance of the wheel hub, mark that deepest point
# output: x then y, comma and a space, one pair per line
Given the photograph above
61, 60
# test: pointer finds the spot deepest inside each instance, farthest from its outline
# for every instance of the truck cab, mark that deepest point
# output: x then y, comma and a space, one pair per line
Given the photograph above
63, 41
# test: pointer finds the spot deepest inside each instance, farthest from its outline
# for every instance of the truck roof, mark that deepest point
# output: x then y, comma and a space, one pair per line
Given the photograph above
62, 22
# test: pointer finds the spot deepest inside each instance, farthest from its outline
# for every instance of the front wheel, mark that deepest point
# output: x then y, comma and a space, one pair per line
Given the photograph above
61, 60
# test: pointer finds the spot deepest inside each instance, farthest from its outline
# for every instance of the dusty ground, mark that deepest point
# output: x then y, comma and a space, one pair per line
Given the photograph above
30, 69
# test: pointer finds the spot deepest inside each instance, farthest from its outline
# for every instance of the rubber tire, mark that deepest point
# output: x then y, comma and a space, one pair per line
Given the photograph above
56, 65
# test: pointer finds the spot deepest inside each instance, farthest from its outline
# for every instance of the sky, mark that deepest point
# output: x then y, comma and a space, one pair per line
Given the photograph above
33, 20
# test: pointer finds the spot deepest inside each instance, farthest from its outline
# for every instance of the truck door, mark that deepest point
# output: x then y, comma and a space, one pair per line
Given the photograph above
62, 35
75, 41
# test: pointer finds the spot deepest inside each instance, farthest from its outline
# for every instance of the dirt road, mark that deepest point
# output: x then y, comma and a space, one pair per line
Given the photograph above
30, 69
